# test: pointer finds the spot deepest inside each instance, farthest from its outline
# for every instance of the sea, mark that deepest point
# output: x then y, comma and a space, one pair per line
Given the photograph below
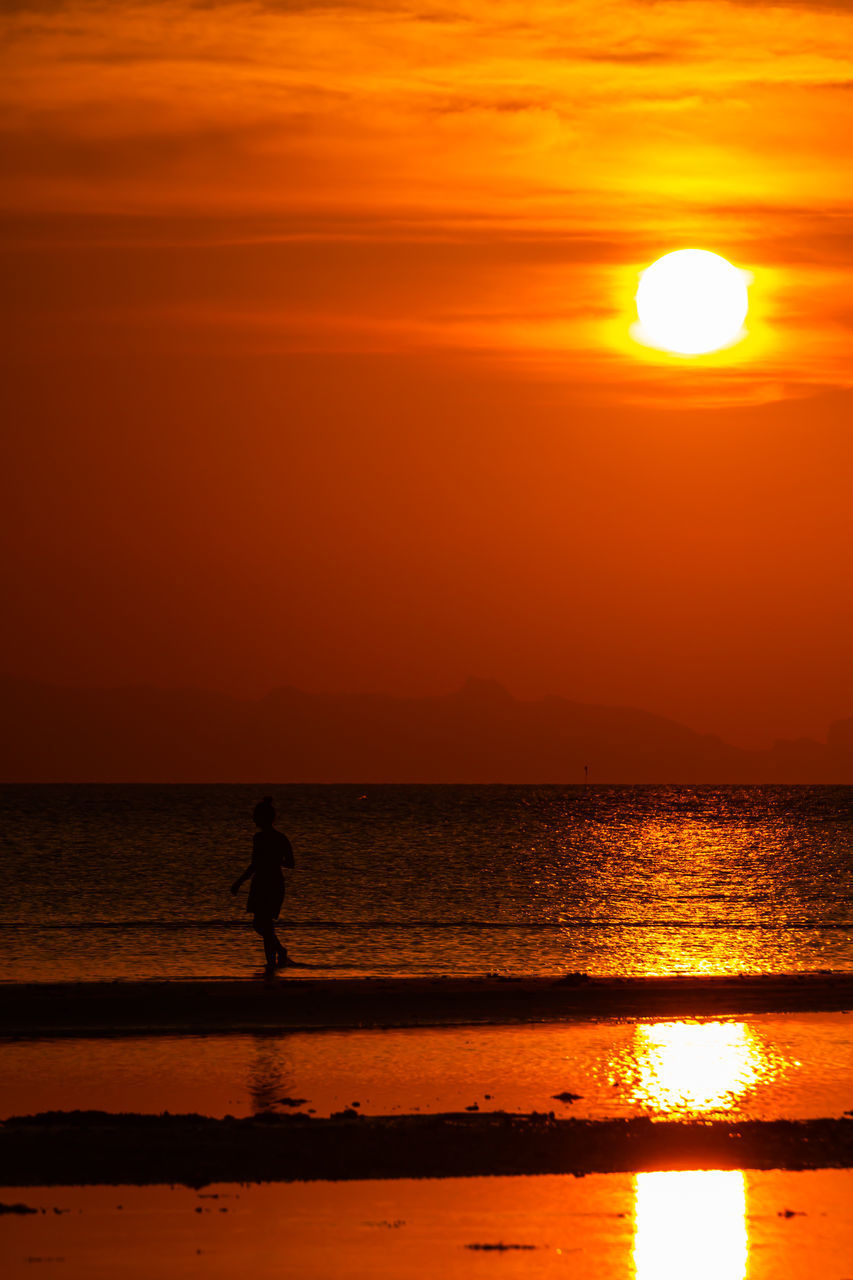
127, 882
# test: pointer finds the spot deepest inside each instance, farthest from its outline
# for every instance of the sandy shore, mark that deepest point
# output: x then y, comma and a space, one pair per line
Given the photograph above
95, 1147
282, 1002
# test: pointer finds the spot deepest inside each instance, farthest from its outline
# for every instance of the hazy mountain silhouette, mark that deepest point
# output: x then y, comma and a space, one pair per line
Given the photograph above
478, 734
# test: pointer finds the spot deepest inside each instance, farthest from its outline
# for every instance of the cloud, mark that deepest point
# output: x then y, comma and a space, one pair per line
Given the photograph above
560, 147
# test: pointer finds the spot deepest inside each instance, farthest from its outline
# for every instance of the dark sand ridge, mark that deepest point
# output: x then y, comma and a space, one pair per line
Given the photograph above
287, 1003
80, 1147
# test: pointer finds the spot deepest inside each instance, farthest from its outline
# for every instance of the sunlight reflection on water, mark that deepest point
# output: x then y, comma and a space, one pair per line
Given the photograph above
686, 1068
690, 1224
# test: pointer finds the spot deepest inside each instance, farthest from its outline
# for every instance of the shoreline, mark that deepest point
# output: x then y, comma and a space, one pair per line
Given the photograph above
255, 1004
86, 1148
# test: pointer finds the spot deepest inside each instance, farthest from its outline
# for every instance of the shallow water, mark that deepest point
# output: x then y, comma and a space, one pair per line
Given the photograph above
763, 1067
706, 1224
133, 881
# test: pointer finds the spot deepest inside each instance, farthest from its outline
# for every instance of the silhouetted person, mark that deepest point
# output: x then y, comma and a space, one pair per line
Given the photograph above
270, 852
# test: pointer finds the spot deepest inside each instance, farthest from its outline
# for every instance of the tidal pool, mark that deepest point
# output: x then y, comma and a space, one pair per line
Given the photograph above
762, 1067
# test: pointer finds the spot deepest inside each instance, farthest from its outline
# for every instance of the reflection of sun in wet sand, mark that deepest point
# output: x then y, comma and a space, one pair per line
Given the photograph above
696, 1066
690, 1224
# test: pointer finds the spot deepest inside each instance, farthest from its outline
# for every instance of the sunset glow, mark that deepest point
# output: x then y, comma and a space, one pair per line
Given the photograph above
329, 311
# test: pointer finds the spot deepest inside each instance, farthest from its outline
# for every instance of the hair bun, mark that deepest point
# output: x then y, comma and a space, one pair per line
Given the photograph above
264, 812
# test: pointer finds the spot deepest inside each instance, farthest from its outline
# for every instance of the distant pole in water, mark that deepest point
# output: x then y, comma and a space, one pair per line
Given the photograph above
586, 773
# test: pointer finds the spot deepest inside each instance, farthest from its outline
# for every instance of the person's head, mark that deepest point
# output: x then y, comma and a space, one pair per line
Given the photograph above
264, 813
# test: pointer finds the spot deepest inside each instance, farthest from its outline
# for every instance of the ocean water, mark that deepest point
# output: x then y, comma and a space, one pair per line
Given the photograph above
133, 881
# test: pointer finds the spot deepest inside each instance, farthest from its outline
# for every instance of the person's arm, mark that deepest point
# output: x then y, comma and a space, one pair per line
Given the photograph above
235, 888
287, 854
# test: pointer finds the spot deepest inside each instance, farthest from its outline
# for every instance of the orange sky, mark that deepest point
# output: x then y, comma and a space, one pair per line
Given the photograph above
316, 363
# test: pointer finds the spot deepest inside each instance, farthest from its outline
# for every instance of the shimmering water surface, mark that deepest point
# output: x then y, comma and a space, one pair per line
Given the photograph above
133, 881
763, 1067
707, 1224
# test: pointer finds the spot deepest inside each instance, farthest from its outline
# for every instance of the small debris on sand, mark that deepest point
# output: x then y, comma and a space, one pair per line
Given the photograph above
567, 1096
473, 1107
16, 1208
292, 1102
790, 1213
500, 1247
198, 1151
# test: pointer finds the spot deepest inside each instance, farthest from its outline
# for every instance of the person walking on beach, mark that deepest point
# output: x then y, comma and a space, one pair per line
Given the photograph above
271, 851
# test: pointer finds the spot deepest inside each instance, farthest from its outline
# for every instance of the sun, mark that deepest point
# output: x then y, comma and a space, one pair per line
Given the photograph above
691, 302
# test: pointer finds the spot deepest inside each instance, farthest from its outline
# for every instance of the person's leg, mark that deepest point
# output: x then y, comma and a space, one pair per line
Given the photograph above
264, 926
280, 950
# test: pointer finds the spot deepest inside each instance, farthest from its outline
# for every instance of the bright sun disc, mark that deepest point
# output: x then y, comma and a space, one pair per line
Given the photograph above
691, 302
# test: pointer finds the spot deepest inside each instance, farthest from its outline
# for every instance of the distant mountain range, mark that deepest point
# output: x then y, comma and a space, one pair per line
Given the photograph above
478, 734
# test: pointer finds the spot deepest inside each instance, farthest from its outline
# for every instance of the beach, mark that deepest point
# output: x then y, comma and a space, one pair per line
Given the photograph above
96, 1147
649, 1043
712, 1224
360, 1193
279, 1003
673, 1114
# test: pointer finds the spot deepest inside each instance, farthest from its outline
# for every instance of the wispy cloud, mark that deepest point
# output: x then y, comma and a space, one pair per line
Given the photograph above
563, 145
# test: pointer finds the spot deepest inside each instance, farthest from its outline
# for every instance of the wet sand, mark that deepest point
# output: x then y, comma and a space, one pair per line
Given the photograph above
75, 1147
56, 1148
708, 1225
288, 1002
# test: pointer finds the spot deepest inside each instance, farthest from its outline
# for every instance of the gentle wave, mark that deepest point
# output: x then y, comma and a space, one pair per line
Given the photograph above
525, 925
